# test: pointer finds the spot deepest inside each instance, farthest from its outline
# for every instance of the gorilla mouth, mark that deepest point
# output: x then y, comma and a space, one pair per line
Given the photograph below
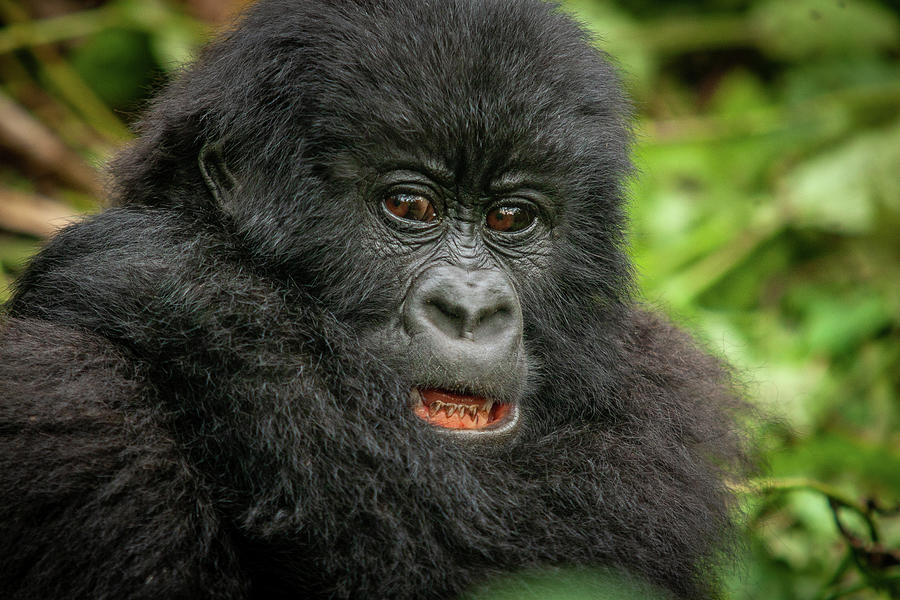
451, 410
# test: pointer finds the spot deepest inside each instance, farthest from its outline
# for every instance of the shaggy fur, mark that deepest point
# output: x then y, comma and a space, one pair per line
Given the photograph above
187, 409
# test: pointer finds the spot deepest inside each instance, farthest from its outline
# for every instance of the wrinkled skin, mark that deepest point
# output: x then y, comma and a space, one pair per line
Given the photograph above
346, 211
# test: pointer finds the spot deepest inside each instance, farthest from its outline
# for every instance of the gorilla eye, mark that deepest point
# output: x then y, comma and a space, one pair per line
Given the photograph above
411, 207
510, 218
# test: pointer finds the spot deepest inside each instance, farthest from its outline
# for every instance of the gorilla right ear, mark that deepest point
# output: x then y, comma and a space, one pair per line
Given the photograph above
216, 174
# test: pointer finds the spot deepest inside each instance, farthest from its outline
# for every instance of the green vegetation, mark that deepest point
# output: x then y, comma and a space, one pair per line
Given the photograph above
765, 217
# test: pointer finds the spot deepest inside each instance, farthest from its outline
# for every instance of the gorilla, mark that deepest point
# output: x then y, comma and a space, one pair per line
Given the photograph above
360, 323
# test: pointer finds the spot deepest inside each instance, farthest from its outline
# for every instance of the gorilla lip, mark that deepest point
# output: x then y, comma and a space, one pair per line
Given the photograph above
452, 410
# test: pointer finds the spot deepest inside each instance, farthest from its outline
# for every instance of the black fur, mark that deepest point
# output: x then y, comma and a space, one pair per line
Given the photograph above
188, 408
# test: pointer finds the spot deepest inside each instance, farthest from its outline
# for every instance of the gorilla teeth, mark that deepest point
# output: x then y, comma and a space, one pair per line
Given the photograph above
476, 412
472, 411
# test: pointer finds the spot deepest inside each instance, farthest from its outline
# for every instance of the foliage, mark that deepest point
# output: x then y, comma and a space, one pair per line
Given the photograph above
764, 217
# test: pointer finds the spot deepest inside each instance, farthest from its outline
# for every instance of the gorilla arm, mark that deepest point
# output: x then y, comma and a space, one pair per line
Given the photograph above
92, 480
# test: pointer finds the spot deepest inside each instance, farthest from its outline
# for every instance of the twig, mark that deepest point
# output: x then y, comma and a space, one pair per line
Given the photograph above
830, 492
32, 214
30, 139
886, 581
674, 35
56, 29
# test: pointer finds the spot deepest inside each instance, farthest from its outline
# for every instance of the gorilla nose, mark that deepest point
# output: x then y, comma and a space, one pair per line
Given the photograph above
456, 304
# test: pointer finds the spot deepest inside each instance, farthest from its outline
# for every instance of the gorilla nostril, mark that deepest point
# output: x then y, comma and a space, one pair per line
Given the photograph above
493, 320
444, 307
443, 315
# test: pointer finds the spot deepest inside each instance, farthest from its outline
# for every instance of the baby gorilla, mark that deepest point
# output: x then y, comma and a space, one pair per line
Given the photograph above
360, 324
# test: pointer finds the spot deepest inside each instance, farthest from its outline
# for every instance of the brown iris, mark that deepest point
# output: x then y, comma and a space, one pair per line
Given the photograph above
509, 218
410, 206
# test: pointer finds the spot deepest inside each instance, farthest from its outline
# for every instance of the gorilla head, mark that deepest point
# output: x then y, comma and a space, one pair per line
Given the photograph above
366, 286
440, 178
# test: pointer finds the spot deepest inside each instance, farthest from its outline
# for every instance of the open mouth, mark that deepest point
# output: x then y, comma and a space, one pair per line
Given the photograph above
451, 410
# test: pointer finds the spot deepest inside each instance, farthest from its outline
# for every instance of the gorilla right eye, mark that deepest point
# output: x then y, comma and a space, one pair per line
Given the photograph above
411, 207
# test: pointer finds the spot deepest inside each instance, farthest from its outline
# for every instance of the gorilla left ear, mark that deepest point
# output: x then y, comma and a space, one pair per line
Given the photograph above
216, 174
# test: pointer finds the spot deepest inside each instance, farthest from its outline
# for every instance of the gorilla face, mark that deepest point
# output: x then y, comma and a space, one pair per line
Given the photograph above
451, 320
458, 330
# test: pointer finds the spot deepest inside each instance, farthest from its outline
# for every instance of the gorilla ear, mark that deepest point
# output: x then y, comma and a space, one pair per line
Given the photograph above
216, 174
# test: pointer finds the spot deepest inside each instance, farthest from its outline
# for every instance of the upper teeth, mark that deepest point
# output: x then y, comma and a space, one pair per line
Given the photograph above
451, 408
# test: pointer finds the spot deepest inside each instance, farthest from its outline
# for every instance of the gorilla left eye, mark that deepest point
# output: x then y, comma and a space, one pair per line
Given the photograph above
411, 207
508, 219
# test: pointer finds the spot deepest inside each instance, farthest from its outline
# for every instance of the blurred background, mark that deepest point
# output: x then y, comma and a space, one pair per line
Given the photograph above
766, 218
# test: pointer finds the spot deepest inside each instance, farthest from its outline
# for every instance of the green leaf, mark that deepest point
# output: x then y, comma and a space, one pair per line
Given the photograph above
15, 252
117, 64
841, 190
801, 29
566, 584
838, 326
836, 458
174, 46
737, 93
